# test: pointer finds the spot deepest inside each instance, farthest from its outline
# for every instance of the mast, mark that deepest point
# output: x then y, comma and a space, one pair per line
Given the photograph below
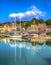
15, 25
20, 25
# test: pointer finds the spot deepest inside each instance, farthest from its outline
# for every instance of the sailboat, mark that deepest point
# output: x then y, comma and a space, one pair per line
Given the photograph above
17, 36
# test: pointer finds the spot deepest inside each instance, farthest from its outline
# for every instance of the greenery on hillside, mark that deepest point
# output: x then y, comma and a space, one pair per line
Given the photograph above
28, 23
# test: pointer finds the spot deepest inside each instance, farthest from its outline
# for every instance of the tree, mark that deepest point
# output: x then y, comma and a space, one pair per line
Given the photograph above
48, 22
41, 21
34, 21
27, 24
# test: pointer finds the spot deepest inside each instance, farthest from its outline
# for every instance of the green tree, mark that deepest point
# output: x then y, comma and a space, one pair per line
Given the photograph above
41, 21
48, 22
34, 21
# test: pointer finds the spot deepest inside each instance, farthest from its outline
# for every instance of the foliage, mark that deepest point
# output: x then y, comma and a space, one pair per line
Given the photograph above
48, 22
48, 43
29, 23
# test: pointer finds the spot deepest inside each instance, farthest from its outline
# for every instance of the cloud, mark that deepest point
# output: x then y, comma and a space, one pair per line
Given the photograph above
13, 15
32, 12
20, 15
36, 12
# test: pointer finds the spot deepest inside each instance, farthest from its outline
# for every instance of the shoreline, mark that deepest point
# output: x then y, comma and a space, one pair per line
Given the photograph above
32, 39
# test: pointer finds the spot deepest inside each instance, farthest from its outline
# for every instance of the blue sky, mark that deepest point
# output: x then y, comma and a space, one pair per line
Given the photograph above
8, 7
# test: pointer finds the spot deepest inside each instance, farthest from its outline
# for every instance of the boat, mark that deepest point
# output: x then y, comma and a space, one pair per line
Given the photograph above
16, 36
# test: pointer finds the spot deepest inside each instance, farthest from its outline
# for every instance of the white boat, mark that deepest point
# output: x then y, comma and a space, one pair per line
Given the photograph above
16, 36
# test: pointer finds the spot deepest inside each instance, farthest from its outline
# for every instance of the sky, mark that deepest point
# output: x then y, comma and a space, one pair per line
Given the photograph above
24, 9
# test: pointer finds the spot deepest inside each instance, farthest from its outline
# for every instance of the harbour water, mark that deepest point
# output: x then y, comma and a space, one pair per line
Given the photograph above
25, 53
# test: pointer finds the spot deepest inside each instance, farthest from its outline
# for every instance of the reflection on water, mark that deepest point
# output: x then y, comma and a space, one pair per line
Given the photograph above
13, 52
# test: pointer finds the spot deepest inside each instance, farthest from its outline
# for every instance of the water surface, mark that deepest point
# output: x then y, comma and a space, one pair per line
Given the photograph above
25, 53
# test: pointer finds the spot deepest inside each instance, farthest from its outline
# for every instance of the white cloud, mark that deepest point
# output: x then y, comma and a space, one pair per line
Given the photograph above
13, 15
20, 15
30, 13
34, 11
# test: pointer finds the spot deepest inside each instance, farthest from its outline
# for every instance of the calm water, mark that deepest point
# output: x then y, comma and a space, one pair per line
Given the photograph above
25, 53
